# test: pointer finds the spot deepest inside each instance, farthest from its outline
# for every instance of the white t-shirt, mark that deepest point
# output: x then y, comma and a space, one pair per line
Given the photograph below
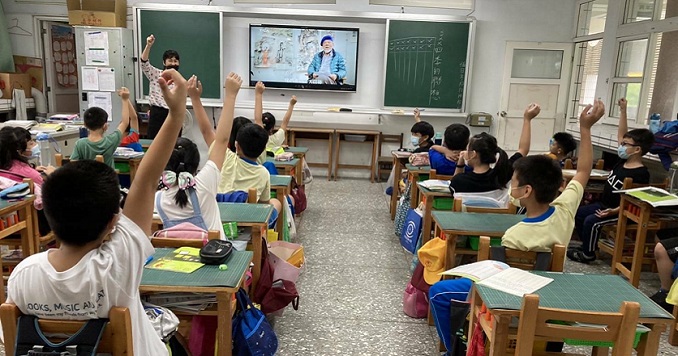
106, 277
275, 141
206, 184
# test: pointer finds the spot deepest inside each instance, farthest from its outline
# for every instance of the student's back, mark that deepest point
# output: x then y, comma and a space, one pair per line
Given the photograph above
97, 142
444, 158
482, 152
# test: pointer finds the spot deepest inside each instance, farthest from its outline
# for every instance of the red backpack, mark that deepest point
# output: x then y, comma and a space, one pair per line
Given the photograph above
273, 295
299, 194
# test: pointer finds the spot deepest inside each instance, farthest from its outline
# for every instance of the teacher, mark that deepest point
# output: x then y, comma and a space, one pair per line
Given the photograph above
159, 109
328, 65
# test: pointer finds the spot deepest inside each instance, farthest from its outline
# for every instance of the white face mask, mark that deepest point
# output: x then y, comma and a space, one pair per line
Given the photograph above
514, 201
415, 141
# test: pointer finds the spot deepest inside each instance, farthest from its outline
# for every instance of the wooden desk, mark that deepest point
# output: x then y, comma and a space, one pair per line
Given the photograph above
299, 152
282, 186
370, 135
398, 165
574, 291
296, 133
428, 196
288, 168
208, 280
413, 173
133, 165
25, 225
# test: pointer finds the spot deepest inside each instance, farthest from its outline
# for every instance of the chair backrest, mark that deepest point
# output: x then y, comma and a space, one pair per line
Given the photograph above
392, 139
252, 196
116, 338
99, 158
434, 175
526, 260
59, 159
569, 165
176, 243
600, 164
619, 327
459, 206
628, 184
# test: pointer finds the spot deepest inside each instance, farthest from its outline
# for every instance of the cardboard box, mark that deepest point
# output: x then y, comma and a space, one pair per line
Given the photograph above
11, 81
102, 13
32, 67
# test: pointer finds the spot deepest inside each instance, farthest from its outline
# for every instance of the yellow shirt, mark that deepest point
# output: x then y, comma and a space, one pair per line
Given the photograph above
553, 227
672, 297
239, 174
276, 141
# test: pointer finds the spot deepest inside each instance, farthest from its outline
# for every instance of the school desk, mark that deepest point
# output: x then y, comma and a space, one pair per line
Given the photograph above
428, 196
296, 133
574, 291
413, 174
282, 186
370, 136
399, 161
133, 165
209, 279
24, 226
596, 181
145, 143
289, 168
299, 152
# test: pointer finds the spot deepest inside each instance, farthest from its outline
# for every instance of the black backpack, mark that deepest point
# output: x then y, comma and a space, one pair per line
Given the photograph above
30, 340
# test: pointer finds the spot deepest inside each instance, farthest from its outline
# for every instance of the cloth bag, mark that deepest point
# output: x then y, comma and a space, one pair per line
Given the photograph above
411, 230
287, 260
252, 334
415, 304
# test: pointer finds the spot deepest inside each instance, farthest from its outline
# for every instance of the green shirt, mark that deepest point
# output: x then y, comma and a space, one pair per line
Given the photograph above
86, 149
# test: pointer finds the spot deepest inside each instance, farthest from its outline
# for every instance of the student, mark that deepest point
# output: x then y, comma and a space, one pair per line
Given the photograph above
189, 195
170, 60
666, 255
132, 138
97, 142
592, 217
483, 151
444, 158
277, 139
422, 134
85, 272
549, 220
560, 146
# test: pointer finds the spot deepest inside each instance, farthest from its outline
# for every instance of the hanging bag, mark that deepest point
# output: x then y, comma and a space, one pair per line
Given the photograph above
252, 334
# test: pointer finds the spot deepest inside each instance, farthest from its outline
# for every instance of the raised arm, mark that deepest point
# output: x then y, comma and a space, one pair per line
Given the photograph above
231, 88
139, 204
288, 113
623, 127
147, 50
531, 112
194, 92
133, 118
124, 120
417, 115
588, 117
259, 103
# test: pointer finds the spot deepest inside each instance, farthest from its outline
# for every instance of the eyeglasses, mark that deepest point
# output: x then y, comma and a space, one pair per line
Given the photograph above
629, 144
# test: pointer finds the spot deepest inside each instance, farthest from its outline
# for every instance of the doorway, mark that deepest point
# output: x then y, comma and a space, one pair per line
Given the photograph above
61, 71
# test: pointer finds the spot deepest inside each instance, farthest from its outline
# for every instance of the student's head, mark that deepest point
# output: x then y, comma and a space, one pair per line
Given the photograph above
95, 119
238, 122
269, 122
26, 142
185, 158
562, 143
483, 150
536, 178
635, 142
251, 141
11, 148
81, 201
456, 137
170, 59
423, 132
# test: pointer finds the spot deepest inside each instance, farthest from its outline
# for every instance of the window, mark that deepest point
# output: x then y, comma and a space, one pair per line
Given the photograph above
592, 16
585, 74
628, 79
446, 4
644, 10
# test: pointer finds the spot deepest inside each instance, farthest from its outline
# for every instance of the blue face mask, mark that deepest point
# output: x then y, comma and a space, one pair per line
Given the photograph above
35, 151
621, 152
415, 141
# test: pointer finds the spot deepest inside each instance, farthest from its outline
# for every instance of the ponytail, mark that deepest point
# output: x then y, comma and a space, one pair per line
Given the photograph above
502, 171
489, 152
185, 158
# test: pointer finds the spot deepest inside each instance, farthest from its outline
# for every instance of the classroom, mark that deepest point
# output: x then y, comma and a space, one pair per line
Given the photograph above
339, 177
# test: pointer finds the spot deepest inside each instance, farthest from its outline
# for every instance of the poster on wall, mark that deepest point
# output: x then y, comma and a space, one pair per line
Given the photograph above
63, 53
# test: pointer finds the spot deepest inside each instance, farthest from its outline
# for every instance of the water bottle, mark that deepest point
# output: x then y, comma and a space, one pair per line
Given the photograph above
673, 176
655, 122
438, 138
45, 149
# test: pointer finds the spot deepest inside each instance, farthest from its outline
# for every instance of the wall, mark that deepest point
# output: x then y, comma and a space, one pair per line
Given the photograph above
498, 21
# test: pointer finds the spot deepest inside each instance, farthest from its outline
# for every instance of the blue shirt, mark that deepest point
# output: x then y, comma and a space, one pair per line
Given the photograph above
441, 164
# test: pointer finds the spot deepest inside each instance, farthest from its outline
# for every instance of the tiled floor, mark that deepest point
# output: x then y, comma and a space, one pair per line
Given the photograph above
355, 274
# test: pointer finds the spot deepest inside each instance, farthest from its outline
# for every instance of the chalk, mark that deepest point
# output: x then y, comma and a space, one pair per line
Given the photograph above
223, 267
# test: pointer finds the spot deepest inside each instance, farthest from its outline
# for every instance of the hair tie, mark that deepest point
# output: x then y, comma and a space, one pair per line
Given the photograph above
168, 179
184, 180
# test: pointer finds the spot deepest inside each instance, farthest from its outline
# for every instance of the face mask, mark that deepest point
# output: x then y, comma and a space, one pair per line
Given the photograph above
621, 152
415, 141
35, 151
172, 67
514, 201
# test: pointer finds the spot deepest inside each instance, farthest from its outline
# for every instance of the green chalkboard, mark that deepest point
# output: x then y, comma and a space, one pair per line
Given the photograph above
197, 38
426, 64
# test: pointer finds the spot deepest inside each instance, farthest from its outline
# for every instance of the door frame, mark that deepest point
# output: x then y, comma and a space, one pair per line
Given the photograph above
39, 43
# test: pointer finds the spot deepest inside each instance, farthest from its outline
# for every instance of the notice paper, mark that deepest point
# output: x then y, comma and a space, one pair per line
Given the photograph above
106, 79
96, 48
90, 79
516, 281
101, 100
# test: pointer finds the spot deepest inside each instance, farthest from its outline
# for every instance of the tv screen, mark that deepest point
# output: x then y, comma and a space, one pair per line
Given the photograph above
298, 57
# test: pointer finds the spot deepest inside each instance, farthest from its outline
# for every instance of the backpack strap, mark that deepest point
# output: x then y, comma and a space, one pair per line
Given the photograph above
158, 206
86, 340
193, 195
542, 262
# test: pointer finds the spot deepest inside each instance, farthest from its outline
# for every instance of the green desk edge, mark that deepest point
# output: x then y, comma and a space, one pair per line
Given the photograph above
412, 168
297, 149
280, 181
205, 276
485, 222
245, 213
290, 163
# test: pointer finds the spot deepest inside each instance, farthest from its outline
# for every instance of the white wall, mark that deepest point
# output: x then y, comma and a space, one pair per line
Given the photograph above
498, 21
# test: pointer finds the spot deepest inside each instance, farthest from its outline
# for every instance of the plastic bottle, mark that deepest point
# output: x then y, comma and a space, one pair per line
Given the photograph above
655, 122
438, 138
45, 149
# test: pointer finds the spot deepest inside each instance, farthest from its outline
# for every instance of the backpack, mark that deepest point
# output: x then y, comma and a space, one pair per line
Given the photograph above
281, 293
420, 159
185, 230
299, 194
415, 304
252, 334
30, 339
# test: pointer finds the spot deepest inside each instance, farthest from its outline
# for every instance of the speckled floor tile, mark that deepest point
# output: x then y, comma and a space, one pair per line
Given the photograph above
354, 250
322, 336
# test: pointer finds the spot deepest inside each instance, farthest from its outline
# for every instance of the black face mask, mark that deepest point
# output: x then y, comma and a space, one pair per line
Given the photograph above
172, 67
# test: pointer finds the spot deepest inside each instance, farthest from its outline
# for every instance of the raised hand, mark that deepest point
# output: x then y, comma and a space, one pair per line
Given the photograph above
591, 114
233, 84
123, 93
259, 88
150, 40
622, 103
194, 87
175, 96
293, 100
532, 111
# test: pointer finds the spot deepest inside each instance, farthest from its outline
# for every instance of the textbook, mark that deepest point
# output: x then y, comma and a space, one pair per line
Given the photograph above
436, 185
183, 260
655, 196
500, 276
594, 173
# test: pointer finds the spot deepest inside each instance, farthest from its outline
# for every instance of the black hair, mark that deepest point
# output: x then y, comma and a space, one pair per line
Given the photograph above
641, 137
456, 137
252, 140
424, 129
238, 122
542, 173
170, 53
11, 147
95, 118
185, 158
485, 145
565, 141
269, 121
80, 199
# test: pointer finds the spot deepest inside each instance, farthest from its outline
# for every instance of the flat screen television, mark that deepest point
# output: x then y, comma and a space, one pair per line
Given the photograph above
298, 57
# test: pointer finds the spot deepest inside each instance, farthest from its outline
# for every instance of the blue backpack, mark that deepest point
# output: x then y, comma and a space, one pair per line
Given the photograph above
252, 334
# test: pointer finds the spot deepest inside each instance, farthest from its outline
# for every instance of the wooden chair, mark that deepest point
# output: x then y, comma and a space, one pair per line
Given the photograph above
569, 165
434, 175
525, 260
116, 338
385, 163
620, 327
176, 243
59, 159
